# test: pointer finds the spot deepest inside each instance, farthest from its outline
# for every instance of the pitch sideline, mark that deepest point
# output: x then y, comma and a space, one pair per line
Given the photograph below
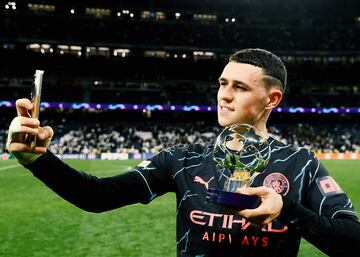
9, 167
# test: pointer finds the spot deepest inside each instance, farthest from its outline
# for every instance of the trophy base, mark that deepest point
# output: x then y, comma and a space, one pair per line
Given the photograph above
232, 199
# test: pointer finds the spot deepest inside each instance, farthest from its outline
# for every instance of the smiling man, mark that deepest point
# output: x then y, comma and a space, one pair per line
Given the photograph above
299, 199
247, 92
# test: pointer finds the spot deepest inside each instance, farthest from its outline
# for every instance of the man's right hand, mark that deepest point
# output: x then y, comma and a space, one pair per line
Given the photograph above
20, 126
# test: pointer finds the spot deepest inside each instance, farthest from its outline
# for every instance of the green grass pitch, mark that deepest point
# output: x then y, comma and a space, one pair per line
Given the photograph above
36, 222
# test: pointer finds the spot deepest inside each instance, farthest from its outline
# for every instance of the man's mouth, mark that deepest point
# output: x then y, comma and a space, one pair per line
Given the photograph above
226, 109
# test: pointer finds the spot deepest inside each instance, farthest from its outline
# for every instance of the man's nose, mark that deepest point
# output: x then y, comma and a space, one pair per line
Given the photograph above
226, 93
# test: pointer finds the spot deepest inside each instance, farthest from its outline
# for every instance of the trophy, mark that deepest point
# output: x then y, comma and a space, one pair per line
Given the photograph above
241, 152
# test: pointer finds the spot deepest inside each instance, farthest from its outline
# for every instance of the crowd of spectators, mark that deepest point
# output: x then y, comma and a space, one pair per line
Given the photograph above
151, 138
134, 138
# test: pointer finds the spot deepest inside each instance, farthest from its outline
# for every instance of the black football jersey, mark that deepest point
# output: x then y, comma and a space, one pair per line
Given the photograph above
314, 207
205, 229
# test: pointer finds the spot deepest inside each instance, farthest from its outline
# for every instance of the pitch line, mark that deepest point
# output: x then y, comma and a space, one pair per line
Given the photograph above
9, 167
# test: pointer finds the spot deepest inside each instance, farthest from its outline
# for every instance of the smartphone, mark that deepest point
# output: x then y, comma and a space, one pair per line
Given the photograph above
35, 99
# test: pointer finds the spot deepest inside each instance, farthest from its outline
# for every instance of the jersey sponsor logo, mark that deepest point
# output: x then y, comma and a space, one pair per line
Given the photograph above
214, 221
278, 182
245, 240
328, 186
229, 221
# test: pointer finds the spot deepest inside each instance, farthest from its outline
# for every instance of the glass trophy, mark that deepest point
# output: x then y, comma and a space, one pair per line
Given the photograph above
241, 153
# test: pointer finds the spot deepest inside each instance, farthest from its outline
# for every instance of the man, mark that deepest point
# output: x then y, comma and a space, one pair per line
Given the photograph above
298, 197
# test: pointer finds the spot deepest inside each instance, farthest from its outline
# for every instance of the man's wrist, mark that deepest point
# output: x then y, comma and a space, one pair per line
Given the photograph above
26, 158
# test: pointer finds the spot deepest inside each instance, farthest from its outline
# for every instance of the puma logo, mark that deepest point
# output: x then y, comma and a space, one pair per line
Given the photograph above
201, 181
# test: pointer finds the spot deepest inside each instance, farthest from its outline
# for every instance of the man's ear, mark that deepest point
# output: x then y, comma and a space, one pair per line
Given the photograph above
275, 96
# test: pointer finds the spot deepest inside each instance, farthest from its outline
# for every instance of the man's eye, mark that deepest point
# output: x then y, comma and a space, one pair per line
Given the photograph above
240, 87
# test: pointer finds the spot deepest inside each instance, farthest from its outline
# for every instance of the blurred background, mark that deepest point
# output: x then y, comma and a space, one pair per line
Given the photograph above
134, 76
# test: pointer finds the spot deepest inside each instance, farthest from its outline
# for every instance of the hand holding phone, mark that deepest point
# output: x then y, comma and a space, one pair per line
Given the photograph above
21, 141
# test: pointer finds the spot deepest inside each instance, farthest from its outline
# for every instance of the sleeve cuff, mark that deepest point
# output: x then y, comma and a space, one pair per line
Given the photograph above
40, 163
288, 212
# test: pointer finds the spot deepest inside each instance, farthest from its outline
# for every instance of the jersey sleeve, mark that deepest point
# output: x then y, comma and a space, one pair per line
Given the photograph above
325, 217
155, 173
324, 196
95, 194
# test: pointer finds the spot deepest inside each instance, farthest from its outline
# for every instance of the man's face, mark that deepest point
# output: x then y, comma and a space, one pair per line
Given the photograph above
242, 96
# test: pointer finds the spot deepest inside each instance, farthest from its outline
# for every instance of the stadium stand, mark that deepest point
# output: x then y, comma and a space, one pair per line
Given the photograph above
172, 52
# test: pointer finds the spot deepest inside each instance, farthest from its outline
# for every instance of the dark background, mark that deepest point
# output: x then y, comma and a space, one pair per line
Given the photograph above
148, 52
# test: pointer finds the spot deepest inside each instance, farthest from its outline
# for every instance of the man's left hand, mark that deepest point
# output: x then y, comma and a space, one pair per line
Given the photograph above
269, 209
